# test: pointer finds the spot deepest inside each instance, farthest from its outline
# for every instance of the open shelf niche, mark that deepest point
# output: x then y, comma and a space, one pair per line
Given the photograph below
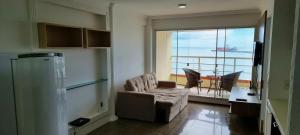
99, 86
97, 38
58, 36
62, 36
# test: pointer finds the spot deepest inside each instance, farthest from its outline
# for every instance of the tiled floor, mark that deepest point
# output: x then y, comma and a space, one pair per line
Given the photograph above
212, 93
195, 119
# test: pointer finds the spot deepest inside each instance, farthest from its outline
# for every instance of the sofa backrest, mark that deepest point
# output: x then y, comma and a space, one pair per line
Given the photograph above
150, 81
141, 83
135, 84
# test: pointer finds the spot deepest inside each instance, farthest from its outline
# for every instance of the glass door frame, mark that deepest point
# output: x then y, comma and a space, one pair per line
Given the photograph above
216, 47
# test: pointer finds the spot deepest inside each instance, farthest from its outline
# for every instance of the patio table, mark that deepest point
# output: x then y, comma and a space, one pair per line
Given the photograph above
213, 81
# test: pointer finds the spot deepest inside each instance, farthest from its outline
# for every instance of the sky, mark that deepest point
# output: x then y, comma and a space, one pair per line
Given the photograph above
242, 38
203, 43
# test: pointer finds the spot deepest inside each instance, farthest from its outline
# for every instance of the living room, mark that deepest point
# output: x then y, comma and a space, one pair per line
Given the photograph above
102, 49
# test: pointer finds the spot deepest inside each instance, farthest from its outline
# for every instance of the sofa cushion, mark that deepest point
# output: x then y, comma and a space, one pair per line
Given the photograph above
135, 84
168, 97
169, 102
177, 91
150, 81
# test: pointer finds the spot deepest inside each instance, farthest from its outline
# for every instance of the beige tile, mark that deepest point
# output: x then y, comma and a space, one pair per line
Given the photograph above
195, 119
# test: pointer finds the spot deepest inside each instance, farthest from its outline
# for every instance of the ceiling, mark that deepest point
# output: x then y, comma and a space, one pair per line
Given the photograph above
169, 7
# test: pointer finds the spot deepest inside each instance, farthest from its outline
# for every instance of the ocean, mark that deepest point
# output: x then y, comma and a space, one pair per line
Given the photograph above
242, 61
192, 46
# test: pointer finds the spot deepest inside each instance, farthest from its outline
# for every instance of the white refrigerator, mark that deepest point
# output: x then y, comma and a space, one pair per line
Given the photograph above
39, 94
8, 123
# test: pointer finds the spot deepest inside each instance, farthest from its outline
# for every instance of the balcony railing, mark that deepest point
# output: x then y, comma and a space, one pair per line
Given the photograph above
207, 65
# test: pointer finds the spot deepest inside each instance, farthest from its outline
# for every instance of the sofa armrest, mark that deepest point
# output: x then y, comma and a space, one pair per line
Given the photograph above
166, 84
135, 105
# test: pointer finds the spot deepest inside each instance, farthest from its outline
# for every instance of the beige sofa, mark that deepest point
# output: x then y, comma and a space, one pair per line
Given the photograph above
147, 99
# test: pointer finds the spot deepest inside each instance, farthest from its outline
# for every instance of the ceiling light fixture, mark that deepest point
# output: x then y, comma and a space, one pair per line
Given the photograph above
182, 5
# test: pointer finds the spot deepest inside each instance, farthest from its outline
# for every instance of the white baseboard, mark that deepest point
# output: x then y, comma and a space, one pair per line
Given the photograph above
96, 121
209, 100
114, 118
91, 126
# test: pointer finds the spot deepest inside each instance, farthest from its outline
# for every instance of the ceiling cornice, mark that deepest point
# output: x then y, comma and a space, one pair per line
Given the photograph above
218, 13
79, 6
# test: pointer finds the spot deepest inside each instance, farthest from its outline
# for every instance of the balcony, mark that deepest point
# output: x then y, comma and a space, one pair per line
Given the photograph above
208, 66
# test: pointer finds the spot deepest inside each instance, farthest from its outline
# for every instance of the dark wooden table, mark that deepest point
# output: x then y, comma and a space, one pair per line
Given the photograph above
250, 107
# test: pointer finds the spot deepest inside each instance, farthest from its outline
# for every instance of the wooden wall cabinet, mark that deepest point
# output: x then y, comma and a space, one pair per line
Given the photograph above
55, 36
60, 36
97, 39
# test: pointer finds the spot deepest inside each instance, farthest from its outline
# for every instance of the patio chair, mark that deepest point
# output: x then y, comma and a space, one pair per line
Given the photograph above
228, 81
193, 79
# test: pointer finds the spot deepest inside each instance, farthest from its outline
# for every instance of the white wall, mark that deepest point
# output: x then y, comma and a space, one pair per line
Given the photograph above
15, 26
278, 72
91, 6
295, 77
48, 12
269, 6
163, 55
128, 45
82, 65
19, 34
281, 49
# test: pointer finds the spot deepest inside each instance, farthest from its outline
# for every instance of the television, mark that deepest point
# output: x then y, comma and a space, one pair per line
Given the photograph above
258, 64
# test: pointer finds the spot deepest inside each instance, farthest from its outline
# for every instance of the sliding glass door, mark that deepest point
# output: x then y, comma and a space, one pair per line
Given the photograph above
240, 58
211, 52
235, 54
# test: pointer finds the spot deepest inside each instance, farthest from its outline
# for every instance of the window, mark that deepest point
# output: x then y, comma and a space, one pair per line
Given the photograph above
220, 51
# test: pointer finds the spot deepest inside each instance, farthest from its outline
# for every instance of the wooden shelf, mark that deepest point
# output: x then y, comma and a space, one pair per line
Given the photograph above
58, 36
85, 84
279, 109
97, 39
